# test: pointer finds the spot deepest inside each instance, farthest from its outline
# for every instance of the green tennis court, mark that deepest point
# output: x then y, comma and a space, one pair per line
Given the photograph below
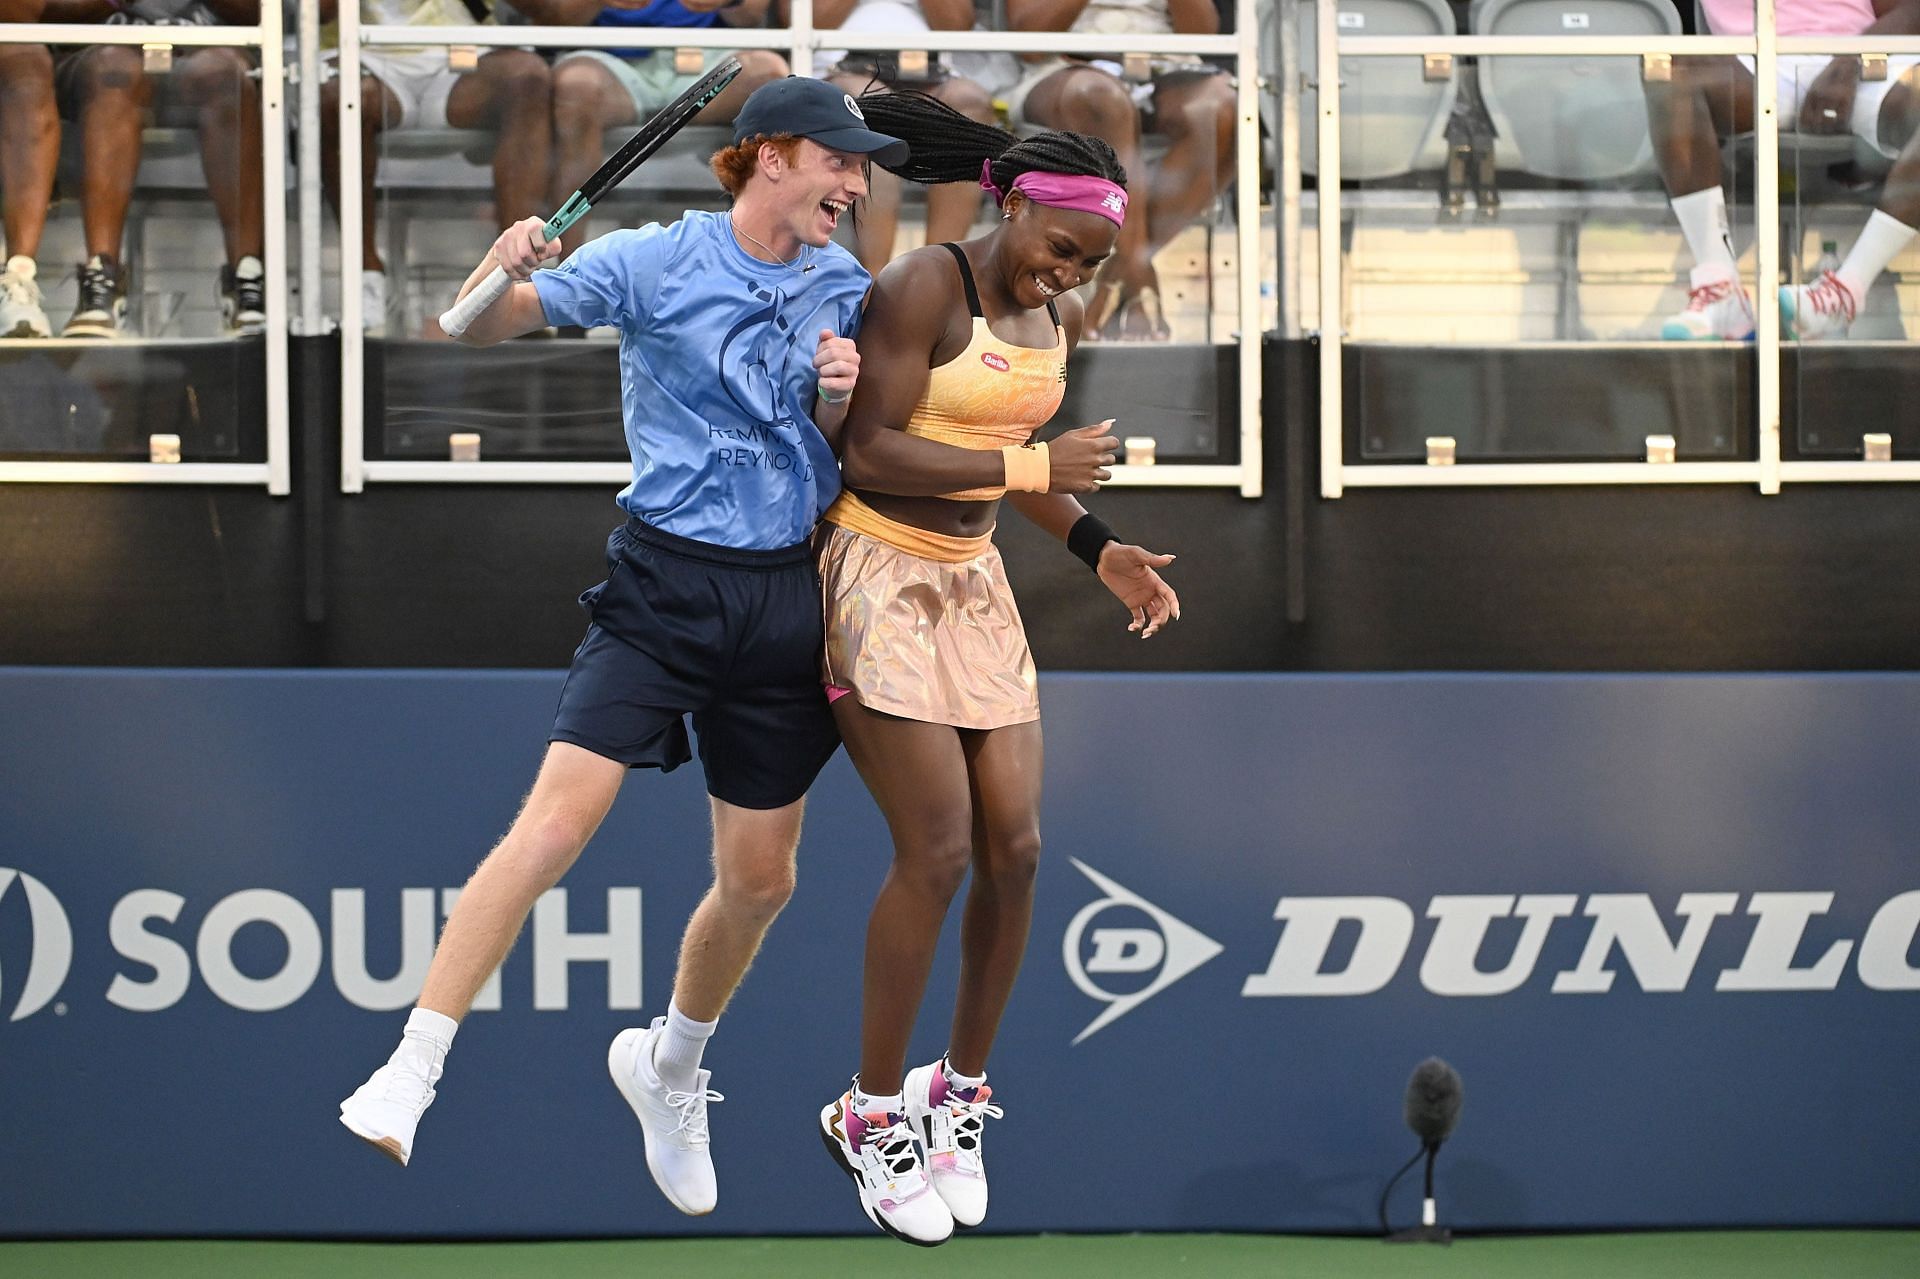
1692, 1255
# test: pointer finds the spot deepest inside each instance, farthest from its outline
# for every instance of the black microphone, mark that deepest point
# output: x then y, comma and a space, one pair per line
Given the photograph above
1434, 1095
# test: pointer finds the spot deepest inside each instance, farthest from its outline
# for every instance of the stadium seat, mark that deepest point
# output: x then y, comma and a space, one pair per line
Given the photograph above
1570, 118
1391, 115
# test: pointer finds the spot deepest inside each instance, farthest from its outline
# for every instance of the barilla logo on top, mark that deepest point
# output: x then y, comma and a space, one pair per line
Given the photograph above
1112, 200
854, 107
995, 361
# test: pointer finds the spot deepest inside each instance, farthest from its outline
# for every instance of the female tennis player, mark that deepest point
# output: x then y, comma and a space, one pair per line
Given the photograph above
932, 683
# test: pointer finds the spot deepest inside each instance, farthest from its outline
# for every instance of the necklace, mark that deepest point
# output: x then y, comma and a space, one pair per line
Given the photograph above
792, 263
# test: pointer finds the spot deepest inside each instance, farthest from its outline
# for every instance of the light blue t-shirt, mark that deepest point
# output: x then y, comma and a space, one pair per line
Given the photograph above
716, 373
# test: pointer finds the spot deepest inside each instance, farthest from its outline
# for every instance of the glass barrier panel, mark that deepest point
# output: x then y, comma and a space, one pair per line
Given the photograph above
131, 311
1517, 279
1850, 289
1159, 354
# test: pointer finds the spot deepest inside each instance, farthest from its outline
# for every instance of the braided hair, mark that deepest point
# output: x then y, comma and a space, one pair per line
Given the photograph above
949, 147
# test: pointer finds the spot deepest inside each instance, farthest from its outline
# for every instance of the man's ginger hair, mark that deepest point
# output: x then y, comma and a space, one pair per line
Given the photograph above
735, 164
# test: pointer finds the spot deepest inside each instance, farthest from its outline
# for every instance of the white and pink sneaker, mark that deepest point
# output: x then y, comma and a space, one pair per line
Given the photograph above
878, 1151
1718, 309
1822, 309
951, 1119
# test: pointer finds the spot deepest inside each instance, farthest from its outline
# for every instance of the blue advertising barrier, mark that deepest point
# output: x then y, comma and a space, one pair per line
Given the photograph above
1663, 926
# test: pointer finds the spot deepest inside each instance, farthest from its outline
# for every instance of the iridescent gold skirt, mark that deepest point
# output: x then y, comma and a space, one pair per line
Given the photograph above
937, 640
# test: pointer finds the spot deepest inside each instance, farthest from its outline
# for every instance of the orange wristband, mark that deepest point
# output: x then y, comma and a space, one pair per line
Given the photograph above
1028, 470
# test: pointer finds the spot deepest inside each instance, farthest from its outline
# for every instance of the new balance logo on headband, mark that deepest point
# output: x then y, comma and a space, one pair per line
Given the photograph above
1113, 201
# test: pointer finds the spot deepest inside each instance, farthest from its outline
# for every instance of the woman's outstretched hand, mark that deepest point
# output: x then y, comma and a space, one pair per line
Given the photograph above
1130, 573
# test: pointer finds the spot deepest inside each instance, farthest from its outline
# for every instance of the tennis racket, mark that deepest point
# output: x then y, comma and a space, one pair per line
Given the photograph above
666, 122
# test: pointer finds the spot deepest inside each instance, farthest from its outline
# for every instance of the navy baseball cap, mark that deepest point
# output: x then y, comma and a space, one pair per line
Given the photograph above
813, 109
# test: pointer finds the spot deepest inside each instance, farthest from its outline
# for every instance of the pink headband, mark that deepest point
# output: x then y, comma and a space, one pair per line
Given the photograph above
1081, 192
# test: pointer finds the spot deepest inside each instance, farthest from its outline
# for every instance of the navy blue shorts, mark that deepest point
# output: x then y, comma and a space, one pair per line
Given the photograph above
731, 638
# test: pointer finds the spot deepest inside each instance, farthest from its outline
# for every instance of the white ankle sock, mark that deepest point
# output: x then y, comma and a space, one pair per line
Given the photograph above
868, 1103
436, 1028
957, 1080
1880, 242
425, 1041
676, 1052
1703, 220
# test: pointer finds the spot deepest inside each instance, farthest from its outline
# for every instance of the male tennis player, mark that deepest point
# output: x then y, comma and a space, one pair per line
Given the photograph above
737, 359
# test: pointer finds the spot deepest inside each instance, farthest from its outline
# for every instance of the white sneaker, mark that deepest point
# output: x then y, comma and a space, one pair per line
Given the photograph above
879, 1153
373, 303
1718, 309
1822, 309
21, 312
951, 1121
386, 1110
673, 1123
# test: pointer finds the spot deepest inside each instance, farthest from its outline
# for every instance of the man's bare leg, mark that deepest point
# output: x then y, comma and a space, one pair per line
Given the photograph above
569, 799
657, 1068
29, 152
29, 143
217, 84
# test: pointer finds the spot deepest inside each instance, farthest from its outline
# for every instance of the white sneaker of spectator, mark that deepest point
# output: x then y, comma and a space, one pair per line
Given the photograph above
21, 313
102, 309
1718, 308
373, 303
1822, 309
243, 295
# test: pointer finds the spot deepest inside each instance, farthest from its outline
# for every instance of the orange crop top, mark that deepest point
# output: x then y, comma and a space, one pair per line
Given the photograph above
993, 393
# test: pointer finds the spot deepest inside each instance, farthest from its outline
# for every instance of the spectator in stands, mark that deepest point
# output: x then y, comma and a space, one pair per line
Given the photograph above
599, 89
951, 207
409, 87
1188, 101
29, 152
105, 90
1709, 98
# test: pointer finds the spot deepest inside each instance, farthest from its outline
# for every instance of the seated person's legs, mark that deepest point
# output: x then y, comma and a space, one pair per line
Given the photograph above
105, 90
1195, 110
1705, 100
29, 153
588, 99
1085, 99
510, 92
218, 86
952, 207
1887, 115
594, 90
878, 222
382, 106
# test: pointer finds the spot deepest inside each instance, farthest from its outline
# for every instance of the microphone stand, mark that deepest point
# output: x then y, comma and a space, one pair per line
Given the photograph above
1427, 1231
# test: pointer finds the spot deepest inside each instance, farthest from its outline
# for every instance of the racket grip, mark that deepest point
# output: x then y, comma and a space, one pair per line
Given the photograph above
464, 312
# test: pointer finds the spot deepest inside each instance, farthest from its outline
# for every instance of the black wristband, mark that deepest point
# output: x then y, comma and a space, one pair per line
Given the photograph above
1088, 536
